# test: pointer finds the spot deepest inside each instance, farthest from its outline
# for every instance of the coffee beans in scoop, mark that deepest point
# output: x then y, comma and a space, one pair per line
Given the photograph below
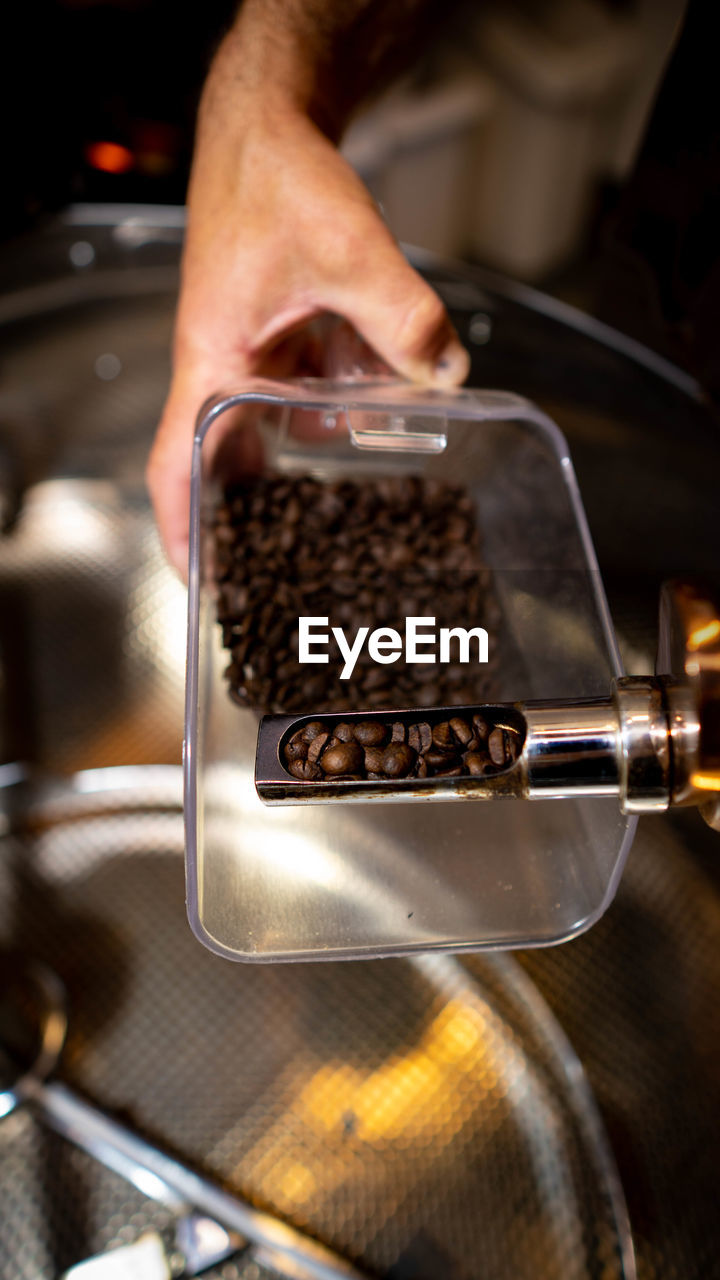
373, 750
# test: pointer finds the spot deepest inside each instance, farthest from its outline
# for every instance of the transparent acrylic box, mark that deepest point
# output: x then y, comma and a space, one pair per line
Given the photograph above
333, 881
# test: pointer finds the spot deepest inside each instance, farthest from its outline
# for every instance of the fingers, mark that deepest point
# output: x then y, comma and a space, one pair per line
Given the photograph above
170, 462
330, 250
398, 313
233, 436
168, 479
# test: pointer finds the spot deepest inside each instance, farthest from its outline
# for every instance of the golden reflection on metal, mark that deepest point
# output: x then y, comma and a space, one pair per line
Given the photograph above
293, 1180
461, 1072
704, 634
706, 781
413, 1094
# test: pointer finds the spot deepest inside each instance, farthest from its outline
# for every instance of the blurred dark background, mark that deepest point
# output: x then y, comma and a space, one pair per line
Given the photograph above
100, 101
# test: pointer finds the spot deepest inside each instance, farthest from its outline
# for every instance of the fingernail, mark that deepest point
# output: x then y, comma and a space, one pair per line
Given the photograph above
452, 367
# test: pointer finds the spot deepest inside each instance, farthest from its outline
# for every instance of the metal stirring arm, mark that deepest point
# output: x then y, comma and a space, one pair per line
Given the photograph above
654, 742
166, 1180
211, 1223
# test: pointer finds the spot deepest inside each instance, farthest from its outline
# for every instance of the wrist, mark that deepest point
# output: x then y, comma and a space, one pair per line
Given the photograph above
262, 74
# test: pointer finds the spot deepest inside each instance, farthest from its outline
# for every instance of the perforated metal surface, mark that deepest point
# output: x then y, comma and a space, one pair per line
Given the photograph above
640, 999
355, 1099
400, 1112
59, 1205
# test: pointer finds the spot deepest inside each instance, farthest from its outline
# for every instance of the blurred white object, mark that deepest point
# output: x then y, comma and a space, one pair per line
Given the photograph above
416, 151
524, 108
143, 1260
561, 74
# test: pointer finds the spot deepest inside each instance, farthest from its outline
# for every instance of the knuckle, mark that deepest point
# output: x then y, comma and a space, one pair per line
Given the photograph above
422, 331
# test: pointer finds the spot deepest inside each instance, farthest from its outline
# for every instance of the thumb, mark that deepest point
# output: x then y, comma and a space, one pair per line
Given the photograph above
402, 317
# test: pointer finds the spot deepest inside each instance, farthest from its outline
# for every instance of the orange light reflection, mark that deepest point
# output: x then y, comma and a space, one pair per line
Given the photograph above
109, 157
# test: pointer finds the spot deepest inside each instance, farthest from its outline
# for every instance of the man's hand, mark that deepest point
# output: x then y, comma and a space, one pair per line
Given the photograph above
280, 229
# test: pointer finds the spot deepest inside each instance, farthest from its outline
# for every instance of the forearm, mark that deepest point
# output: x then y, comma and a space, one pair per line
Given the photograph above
320, 57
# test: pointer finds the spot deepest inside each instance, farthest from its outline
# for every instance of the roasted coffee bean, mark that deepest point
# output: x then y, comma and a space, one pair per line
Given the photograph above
313, 729
421, 767
442, 736
449, 773
398, 759
297, 747
511, 743
375, 677
374, 759
347, 757
317, 747
370, 733
304, 770
474, 762
455, 676
461, 729
480, 727
398, 733
263, 663
429, 694
378, 698
414, 737
344, 732
498, 747
440, 759
312, 689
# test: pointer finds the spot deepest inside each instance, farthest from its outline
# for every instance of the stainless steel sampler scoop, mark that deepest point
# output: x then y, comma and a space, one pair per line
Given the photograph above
654, 741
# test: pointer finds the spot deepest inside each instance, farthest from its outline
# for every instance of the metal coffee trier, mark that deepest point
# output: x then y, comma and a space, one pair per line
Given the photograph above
654, 742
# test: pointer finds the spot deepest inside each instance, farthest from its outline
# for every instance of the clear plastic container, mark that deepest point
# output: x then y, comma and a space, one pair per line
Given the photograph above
308, 882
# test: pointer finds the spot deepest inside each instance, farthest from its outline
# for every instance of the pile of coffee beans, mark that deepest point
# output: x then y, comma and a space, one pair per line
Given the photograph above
374, 750
365, 553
